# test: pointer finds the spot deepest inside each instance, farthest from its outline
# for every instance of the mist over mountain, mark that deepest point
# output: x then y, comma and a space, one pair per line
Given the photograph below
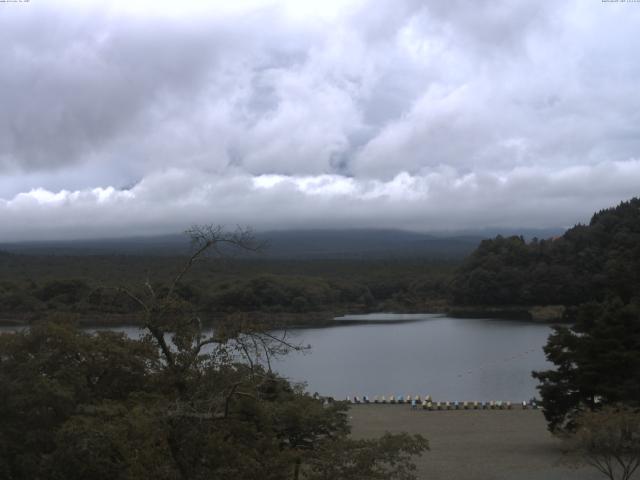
302, 244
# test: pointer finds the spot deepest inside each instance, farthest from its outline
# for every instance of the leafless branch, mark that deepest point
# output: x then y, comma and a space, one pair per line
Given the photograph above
206, 237
135, 298
284, 342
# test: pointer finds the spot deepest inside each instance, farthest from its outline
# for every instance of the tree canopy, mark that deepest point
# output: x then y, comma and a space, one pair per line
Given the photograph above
181, 402
597, 362
588, 263
594, 270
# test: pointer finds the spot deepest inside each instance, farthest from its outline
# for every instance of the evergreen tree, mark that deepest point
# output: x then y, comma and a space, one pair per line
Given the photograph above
587, 263
597, 363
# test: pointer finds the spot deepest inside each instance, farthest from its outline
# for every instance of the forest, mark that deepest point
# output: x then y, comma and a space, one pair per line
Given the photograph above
587, 263
180, 403
137, 408
35, 286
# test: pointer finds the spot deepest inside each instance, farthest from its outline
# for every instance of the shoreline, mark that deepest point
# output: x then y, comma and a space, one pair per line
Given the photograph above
294, 320
534, 313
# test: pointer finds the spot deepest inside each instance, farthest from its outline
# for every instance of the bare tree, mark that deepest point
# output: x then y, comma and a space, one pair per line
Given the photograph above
178, 331
609, 439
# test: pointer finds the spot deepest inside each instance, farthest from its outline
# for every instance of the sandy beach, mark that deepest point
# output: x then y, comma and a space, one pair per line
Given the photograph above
476, 444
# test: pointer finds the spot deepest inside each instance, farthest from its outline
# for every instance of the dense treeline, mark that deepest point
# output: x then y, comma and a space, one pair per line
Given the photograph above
594, 269
587, 263
38, 285
179, 403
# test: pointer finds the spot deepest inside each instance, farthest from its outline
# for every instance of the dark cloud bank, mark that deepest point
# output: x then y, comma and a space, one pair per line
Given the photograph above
432, 116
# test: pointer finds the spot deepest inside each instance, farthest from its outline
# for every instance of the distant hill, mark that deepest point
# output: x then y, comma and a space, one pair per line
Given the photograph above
302, 244
587, 263
366, 244
157, 245
292, 244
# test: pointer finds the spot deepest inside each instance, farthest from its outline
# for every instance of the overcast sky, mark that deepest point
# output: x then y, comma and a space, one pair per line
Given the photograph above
142, 117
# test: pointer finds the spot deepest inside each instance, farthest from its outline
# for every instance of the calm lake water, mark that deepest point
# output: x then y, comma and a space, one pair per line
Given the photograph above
448, 358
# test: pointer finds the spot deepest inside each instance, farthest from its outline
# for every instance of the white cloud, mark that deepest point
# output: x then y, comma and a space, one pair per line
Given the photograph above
406, 113
438, 200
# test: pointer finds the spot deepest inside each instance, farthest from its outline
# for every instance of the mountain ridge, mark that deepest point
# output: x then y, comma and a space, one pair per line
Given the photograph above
300, 243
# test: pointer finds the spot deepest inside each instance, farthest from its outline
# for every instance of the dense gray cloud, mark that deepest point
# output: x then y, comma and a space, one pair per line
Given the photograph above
142, 117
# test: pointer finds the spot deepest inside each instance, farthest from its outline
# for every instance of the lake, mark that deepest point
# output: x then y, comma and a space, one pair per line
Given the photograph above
452, 359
